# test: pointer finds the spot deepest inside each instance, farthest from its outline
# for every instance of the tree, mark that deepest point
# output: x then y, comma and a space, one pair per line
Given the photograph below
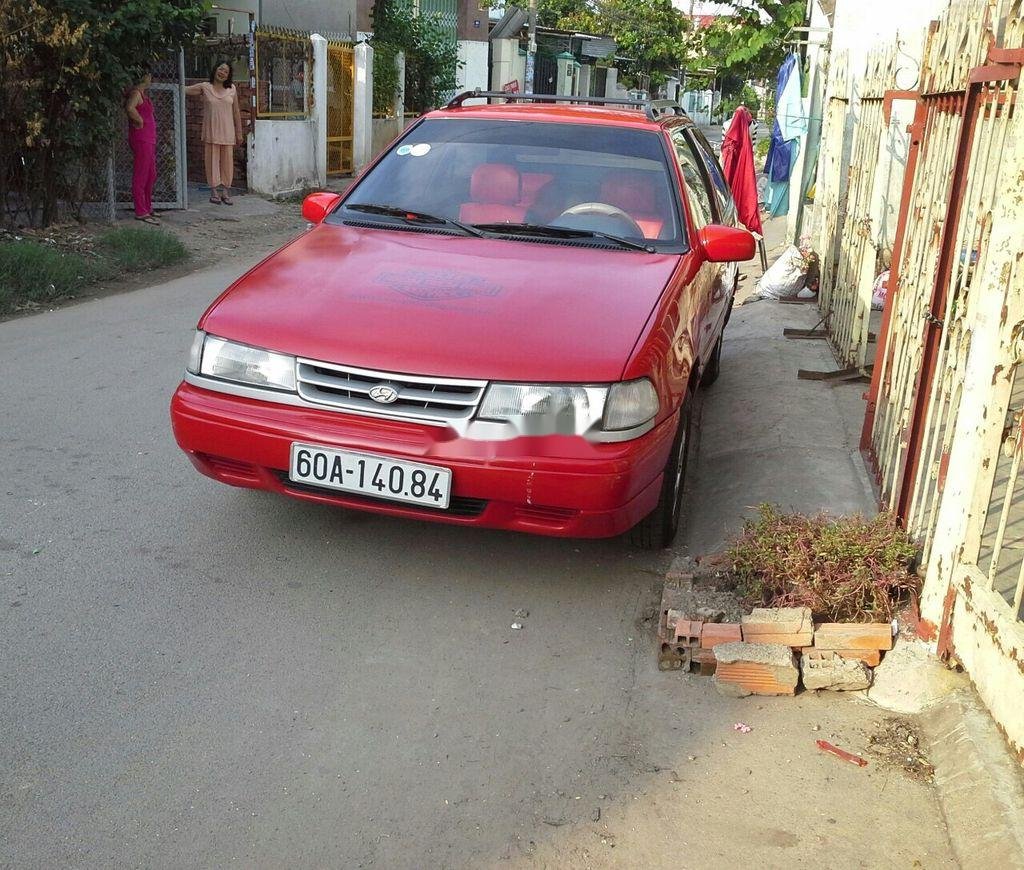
751, 42
64, 67
652, 34
431, 54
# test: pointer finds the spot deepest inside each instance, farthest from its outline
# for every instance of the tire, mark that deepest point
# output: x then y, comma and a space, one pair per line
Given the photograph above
714, 366
658, 529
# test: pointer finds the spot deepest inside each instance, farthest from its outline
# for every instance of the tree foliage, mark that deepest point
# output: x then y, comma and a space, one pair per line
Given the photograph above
431, 54
64, 67
652, 34
751, 42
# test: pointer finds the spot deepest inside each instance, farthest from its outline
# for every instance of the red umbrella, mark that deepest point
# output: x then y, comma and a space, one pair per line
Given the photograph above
738, 166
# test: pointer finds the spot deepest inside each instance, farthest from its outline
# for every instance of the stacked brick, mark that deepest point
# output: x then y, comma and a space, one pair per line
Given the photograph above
771, 650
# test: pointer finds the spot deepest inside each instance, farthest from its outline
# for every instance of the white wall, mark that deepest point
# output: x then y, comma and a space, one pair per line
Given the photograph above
859, 25
473, 73
282, 156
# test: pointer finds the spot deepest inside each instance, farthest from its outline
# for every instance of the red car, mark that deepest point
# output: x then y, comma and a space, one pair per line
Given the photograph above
502, 323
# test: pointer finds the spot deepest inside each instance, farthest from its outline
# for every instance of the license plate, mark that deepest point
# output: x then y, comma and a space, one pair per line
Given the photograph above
372, 475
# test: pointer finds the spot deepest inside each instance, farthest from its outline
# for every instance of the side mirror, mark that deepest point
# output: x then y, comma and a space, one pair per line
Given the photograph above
316, 206
726, 244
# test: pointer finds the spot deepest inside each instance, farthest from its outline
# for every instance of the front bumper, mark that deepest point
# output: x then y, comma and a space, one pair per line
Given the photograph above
552, 485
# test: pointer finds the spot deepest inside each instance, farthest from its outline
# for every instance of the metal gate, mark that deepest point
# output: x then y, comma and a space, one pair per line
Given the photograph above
920, 287
829, 199
545, 74
340, 89
850, 271
945, 425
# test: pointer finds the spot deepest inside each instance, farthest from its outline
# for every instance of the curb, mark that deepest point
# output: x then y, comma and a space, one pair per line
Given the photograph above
980, 788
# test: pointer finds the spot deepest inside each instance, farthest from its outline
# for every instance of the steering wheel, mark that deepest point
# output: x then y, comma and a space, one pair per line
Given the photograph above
599, 217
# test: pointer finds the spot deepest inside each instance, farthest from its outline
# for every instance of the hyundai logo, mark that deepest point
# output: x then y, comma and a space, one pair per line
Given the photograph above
384, 393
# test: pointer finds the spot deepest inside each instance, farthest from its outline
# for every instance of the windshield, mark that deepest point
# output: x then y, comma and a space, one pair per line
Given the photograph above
579, 177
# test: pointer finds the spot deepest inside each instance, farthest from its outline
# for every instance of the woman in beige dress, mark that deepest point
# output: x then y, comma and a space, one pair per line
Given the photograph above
222, 129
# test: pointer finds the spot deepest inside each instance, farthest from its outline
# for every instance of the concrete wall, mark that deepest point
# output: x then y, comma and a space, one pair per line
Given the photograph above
474, 73
385, 130
282, 156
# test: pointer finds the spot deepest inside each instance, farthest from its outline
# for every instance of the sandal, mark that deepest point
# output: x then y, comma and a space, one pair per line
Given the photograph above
224, 198
216, 200
149, 219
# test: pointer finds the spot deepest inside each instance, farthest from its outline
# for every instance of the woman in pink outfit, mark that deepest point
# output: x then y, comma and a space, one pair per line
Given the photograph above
222, 129
142, 139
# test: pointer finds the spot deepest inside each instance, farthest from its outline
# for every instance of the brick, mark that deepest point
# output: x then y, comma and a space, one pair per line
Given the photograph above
871, 657
777, 620
799, 640
687, 633
824, 669
755, 669
715, 633
704, 662
853, 636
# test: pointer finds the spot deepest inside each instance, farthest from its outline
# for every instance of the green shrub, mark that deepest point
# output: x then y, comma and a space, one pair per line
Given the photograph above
849, 569
136, 249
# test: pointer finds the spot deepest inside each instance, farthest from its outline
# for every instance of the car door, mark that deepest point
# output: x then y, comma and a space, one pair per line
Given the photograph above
706, 287
725, 213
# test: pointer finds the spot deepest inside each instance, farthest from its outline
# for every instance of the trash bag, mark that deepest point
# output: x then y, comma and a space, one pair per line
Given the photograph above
879, 291
785, 277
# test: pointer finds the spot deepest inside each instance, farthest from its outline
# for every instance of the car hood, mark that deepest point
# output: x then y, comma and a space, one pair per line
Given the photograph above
448, 306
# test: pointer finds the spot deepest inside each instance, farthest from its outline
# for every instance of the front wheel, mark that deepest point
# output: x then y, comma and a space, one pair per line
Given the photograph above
714, 366
658, 529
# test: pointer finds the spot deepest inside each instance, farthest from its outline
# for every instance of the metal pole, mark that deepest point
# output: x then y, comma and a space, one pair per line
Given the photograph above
531, 49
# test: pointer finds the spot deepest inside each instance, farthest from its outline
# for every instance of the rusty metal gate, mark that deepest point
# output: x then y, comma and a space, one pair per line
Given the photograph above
944, 423
848, 303
340, 108
912, 326
829, 200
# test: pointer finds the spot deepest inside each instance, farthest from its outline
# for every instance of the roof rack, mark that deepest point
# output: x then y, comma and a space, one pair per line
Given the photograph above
654, 109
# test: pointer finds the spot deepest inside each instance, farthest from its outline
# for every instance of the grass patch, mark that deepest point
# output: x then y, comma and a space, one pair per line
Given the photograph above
33, 272
36, 272
136, 249
850, 569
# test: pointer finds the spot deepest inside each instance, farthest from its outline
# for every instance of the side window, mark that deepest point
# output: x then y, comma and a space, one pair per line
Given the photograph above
693, 179
726, 206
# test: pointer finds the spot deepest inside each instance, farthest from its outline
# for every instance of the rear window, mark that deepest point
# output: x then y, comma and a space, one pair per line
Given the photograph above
488, 171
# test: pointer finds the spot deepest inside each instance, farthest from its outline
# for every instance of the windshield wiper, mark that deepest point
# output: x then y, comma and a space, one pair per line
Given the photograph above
415, 217
557, 232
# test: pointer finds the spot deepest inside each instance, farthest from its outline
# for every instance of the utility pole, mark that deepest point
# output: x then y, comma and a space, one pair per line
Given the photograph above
531, 49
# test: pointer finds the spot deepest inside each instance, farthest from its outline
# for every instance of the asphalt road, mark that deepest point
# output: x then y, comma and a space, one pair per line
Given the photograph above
194, 675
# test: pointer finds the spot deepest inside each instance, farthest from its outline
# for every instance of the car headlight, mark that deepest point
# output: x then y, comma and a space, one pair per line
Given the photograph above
229, 361
630, 404
595, 412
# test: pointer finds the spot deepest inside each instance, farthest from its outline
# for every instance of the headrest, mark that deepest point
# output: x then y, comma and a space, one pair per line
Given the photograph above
632, 193
496, 183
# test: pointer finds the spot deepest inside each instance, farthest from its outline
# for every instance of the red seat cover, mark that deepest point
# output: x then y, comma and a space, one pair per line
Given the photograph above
494, 190
637, 197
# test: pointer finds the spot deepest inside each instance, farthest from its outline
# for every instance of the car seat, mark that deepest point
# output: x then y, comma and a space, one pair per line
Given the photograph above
495, 190
636, 196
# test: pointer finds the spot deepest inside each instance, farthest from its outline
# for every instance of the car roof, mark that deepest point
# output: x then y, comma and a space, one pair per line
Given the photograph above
564, 113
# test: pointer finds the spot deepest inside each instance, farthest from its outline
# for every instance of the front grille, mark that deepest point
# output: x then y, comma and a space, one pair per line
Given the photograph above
439, 401
459, 506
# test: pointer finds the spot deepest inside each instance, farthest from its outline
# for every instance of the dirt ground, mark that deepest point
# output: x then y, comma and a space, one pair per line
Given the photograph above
214, 236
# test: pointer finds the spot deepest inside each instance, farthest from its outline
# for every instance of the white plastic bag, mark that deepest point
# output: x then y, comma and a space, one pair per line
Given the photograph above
879, 292
785, 276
